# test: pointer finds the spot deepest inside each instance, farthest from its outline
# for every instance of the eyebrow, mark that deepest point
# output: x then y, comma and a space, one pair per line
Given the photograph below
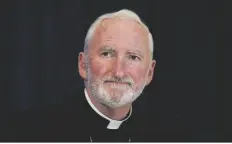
107, 48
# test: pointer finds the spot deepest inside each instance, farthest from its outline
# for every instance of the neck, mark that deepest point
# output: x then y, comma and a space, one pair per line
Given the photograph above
113, 113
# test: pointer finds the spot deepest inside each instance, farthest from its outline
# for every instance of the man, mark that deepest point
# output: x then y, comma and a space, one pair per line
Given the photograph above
116, 65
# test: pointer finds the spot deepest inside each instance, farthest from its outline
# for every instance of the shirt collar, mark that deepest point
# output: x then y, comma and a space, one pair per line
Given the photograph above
113, 124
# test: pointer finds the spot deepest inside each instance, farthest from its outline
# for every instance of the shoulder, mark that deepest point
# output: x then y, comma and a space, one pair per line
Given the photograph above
152, 125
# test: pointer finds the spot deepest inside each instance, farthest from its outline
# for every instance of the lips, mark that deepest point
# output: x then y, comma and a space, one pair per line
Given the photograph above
113, 82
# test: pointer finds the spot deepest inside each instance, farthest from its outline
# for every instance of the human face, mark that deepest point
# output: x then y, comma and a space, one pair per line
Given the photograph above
118, 62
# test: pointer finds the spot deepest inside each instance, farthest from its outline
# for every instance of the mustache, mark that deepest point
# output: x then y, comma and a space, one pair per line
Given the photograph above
127, 80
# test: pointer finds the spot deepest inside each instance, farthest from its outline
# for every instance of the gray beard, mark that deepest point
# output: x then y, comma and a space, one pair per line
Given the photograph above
105, 99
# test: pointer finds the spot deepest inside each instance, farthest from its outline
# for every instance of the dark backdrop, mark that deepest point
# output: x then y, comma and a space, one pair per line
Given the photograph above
41, 39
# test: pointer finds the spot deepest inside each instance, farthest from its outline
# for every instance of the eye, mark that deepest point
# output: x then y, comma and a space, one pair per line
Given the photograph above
106, 54
134, 57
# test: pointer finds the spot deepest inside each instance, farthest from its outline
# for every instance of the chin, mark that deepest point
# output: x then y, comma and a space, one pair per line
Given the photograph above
114, 98
111, 104
115, 94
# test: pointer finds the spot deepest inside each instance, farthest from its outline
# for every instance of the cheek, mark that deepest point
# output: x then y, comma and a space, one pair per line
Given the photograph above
138, 75
98, 68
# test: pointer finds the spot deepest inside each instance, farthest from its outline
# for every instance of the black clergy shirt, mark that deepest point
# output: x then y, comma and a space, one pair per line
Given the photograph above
77, 121
74, 121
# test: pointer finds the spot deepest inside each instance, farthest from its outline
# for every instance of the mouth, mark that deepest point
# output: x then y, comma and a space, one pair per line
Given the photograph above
117, 83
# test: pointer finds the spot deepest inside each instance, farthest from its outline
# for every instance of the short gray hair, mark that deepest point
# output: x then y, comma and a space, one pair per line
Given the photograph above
124, 13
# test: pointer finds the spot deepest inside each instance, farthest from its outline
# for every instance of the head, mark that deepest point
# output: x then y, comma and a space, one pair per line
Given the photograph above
117, 62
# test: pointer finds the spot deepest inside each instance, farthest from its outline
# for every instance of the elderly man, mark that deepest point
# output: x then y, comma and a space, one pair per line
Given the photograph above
116, 66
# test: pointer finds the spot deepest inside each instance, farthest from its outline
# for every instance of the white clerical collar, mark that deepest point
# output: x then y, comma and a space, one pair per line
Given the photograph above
113, 124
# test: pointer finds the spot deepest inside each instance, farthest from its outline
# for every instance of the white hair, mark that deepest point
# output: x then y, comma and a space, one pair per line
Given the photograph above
124, 13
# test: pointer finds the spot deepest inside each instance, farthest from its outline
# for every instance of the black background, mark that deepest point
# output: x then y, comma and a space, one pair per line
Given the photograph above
41, 39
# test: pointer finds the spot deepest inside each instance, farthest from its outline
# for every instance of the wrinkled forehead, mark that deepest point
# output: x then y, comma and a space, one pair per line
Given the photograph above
121, 32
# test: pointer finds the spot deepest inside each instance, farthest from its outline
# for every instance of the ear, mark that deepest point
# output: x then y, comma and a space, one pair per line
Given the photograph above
82, 65
151, 72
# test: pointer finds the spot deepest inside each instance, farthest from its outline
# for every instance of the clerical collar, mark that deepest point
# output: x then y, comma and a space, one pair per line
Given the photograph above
113, 124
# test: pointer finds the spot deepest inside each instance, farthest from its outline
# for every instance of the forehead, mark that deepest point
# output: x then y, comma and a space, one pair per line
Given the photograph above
121, 33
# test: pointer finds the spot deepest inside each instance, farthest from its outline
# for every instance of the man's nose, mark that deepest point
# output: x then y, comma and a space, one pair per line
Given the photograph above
118, 68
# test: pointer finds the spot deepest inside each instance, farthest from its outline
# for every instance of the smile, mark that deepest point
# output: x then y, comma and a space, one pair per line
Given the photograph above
117, 83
